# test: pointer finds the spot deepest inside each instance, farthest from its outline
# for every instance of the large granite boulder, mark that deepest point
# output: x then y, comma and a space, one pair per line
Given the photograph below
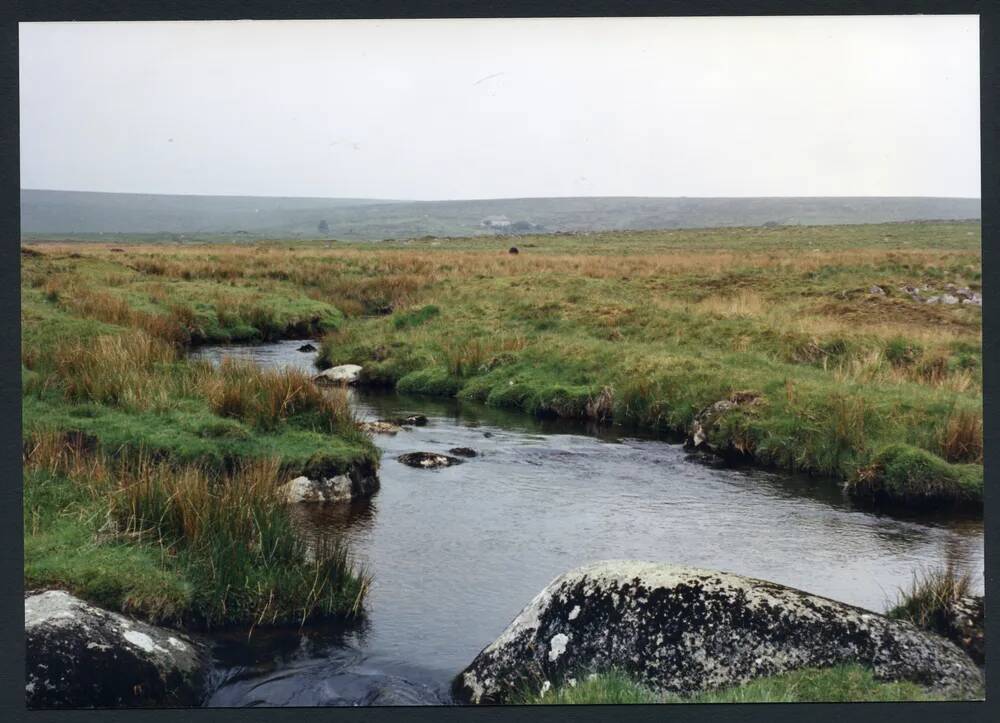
681, 629
79, 655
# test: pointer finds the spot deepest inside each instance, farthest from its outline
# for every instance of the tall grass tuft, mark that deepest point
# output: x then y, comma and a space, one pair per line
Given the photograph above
962, 436
930, 595
229, 530
265, 398
116, 369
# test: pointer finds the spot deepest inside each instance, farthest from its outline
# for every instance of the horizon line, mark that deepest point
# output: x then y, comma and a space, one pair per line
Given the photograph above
492, 198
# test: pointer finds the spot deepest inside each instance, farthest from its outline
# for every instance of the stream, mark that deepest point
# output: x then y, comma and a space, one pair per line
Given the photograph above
457, 552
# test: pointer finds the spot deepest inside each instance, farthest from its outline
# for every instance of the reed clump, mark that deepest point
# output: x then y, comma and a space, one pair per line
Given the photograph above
226, 532
265, 398
930, 597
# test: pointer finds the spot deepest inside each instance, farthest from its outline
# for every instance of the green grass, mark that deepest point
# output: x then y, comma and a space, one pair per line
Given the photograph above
186, 526
180, 544
842, 684
901, 474
649, 328
62, 549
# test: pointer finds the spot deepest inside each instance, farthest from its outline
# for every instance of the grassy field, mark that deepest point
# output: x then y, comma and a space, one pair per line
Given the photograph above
634, 328
648, 328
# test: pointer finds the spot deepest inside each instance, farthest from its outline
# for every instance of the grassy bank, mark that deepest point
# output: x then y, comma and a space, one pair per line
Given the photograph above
842, 684
864, 384
149, 479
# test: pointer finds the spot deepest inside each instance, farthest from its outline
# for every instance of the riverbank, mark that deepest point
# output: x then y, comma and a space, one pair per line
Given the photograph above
861, 346
150, 480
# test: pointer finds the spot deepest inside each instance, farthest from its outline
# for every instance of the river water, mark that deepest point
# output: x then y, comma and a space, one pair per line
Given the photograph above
457, 552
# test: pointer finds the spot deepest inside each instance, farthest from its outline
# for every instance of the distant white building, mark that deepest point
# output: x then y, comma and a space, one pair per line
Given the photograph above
495, 222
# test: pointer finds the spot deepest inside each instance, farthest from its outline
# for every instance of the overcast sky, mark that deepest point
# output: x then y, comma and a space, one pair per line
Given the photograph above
448, 109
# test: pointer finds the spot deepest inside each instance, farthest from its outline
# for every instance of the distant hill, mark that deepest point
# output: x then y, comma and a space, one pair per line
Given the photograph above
62, 213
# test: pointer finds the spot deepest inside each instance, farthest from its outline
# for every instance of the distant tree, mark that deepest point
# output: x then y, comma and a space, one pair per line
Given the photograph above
324, 227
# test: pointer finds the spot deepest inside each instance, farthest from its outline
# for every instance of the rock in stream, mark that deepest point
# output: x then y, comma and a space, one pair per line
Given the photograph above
428, 460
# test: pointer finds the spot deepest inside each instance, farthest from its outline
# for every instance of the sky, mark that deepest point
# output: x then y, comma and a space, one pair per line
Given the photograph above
459, 109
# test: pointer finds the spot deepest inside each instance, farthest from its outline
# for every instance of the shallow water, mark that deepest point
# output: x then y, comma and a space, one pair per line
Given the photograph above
457, 552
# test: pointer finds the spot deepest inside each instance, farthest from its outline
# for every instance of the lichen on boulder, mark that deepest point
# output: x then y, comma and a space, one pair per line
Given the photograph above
79, 655
681, 630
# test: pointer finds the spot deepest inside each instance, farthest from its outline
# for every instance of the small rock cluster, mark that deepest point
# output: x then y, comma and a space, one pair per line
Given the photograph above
393, 426
380, 427
952, 294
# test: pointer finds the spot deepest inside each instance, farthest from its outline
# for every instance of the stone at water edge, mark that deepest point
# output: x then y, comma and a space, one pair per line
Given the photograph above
333, 489
699, 436
78, 655
339, 375
427, 460
680, 629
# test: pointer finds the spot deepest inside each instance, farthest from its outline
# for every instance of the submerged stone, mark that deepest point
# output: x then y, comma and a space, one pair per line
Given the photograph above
428, 460
463, 451
414, 420
79, 655
680, 629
